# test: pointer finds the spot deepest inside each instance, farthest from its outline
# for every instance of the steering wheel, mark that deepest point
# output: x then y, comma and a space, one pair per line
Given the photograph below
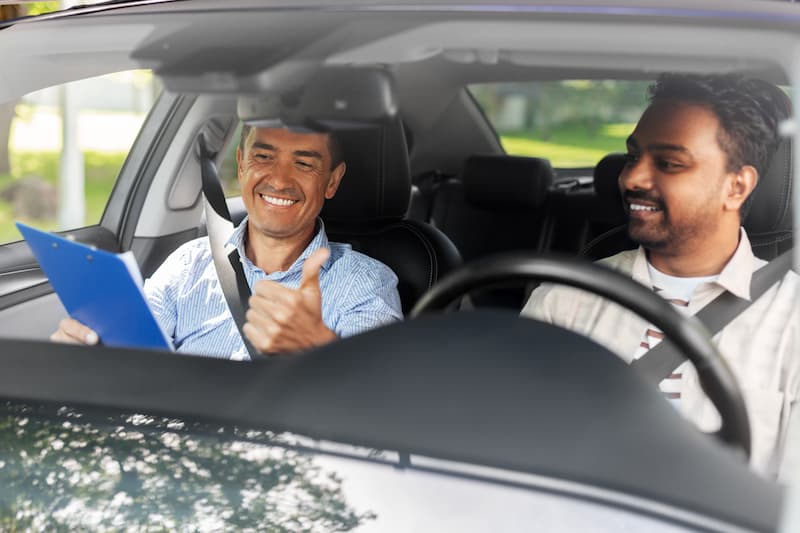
687, 333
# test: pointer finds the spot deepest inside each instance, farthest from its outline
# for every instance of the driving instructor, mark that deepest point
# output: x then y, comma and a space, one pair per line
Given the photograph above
306, 291
693, 160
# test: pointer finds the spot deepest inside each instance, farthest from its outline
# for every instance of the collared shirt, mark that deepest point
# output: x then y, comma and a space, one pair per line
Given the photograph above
760, 345
358, 293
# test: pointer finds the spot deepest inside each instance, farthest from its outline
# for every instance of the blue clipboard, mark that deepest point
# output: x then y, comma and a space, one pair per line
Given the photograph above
98, 288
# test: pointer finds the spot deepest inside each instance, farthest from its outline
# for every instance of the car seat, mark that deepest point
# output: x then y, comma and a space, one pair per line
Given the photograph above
614, 238
369, 210
581, 212
497, 206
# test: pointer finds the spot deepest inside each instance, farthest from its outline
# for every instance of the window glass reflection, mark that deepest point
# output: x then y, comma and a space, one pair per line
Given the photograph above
61, 469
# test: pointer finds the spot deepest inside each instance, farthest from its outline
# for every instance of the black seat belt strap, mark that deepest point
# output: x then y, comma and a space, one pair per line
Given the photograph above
219, 226
661, 361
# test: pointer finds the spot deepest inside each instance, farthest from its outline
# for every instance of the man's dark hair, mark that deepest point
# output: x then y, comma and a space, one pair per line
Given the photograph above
334, 147
749, 112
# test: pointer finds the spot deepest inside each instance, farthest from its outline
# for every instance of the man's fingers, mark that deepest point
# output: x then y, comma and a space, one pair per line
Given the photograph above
260, 340
276, 307
280, 319
255, 336
70, 330
312, 267
267, 290
260, 318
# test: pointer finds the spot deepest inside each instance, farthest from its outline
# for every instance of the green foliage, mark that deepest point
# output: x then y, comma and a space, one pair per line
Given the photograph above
38, 8
100, 172
42, 164
8, 232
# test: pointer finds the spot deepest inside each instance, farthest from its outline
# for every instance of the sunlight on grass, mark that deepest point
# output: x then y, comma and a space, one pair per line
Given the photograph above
560, 155
8, 231
569, 146
619, 131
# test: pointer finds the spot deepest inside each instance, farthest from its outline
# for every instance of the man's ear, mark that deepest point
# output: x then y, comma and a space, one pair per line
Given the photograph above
239, 165
336, 178
739, 187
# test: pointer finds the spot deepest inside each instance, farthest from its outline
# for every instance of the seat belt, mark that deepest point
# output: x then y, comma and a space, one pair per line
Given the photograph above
659, 362
219, 226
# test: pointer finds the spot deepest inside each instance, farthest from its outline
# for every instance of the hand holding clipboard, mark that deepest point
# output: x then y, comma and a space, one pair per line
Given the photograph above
98, 288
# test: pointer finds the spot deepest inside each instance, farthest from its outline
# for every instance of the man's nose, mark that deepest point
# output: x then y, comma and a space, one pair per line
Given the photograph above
635, 175
280, 172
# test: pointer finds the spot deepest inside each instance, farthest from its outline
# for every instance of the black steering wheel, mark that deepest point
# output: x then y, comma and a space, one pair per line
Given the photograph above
687, 333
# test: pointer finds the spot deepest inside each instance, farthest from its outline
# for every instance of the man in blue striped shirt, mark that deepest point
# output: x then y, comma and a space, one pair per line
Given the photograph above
306, 291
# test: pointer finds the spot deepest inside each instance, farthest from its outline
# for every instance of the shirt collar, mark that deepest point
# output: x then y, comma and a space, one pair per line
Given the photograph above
320, 240
735, 276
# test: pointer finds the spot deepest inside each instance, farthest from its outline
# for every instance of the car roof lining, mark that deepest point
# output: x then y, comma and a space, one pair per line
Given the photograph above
183, 46
527, 45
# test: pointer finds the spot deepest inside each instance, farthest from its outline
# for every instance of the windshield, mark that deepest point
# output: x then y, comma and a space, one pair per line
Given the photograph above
62, 467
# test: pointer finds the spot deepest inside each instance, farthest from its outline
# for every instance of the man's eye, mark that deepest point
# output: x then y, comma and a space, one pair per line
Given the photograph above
668, 165
262, 157
631, 159
304, 165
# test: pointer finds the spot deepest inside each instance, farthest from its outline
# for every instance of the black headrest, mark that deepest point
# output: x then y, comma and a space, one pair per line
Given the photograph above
503, 182
771, 205
606, 188
377, 183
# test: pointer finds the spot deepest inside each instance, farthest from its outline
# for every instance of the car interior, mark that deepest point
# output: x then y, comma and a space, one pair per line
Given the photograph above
435, 181
429, 190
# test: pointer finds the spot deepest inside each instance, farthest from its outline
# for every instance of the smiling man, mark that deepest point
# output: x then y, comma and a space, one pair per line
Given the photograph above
306, 291
694, 158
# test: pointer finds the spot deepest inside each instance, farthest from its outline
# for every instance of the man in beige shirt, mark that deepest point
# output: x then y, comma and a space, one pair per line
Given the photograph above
693, 160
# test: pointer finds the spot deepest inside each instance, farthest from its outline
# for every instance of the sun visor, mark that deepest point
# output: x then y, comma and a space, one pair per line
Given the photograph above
330, 99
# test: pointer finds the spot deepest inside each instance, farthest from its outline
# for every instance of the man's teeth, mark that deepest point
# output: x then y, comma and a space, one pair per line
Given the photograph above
640, 207
277, 201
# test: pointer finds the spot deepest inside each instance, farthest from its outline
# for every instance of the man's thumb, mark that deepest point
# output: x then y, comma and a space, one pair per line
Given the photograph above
311, 268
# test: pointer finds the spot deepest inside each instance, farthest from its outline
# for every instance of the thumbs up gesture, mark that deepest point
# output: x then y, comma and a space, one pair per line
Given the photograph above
281, 319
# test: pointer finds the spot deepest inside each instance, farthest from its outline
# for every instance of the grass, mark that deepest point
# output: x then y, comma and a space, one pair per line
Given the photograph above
100, 173
569, 146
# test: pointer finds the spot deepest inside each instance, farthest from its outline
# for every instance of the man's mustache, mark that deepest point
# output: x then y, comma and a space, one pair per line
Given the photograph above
287, 192
630, 196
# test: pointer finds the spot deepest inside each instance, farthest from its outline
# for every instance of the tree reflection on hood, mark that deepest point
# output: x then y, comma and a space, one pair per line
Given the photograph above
63, 469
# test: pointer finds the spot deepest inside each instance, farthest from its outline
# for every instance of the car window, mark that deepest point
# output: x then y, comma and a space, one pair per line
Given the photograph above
227, 166
574, 123
64, 468
61, 149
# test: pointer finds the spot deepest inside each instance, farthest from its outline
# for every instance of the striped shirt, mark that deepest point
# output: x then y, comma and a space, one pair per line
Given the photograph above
671, 385
358, 294
762, 345
677, 291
